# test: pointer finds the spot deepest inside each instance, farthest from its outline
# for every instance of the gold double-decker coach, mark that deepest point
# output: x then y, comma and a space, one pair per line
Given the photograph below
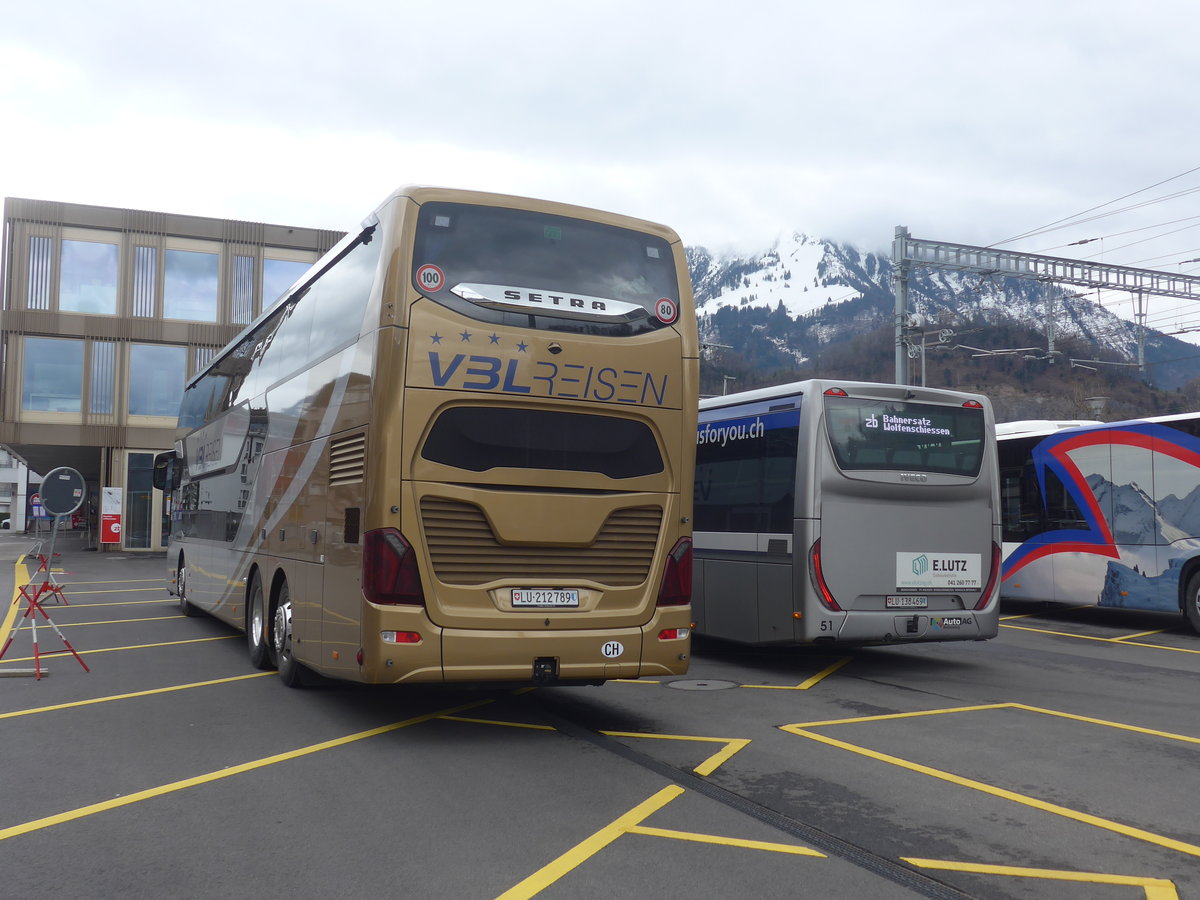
460, 448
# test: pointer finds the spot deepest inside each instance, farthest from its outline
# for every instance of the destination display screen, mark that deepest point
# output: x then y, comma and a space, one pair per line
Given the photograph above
905, 436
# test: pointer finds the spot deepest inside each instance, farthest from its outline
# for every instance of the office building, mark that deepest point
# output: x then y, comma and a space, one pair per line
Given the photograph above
106, 314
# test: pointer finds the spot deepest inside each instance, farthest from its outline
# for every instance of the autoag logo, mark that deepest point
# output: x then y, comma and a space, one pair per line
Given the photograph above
920, 565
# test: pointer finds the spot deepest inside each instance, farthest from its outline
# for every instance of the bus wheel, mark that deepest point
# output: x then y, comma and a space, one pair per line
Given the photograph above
256, 627
291, 672
1191, 601
181, 589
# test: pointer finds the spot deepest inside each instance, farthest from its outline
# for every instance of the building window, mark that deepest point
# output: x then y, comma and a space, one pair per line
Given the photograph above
145, 280
156, 379
88, 278
41, 250
104, 368
190, 289
279, 275
53, 380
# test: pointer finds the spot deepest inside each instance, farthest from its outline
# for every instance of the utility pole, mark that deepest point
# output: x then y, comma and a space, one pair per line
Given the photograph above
900, 256
1049, 322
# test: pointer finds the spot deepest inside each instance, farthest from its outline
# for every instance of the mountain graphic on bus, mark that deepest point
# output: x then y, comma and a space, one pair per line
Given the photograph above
1102, 510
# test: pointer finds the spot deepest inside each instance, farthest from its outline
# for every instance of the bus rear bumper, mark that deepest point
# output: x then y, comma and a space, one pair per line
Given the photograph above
967, 625
561, 656
526, 656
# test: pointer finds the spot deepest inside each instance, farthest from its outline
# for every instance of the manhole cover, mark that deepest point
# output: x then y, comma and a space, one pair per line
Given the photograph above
706, 685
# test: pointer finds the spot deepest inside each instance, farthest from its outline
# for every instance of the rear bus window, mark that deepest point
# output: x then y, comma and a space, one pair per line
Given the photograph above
539, 270
913, 437
478, 438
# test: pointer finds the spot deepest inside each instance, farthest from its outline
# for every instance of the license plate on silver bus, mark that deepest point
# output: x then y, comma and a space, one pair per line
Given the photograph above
906, 601
545, 597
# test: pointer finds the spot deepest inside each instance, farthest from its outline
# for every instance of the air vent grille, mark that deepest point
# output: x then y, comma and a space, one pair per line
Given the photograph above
464, 549
347, 459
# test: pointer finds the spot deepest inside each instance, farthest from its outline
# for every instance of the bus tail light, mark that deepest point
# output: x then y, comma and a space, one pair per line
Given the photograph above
991, 582
389, 569
676, 587
674, 634
818, 577
400, 637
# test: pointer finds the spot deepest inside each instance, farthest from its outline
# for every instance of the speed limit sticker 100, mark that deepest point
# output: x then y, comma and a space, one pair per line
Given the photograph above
430, 278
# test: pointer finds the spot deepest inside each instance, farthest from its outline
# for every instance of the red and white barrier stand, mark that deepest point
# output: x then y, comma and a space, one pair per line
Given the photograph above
34, 598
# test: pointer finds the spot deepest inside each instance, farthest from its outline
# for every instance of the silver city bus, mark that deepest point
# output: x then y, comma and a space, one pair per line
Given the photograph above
834, 511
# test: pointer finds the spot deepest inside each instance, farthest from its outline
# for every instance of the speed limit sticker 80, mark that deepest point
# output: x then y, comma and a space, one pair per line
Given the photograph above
666, 310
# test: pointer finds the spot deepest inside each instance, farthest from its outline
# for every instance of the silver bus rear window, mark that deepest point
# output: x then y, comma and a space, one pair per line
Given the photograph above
912, 437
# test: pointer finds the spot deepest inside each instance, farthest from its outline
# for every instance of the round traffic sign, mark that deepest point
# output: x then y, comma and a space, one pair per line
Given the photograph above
430, 278
62, 491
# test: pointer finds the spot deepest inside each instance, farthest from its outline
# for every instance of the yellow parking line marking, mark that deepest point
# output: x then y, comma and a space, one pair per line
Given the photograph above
806, 684
1033, 802
801, 730
589, 847
1129, 637
1122, 641
112, 697
1122, 726
710, 765
118, 621
158, 581
1155, 888
470, 721
124, 591
224, 637
184, 784
883, 717
1125, 642
129, 603
13, 607
726, 841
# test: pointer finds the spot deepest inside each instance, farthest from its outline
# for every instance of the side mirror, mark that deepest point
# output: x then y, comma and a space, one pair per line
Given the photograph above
166, 471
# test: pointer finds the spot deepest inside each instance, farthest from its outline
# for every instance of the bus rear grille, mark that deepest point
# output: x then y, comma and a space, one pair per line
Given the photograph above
464, 549
347, 459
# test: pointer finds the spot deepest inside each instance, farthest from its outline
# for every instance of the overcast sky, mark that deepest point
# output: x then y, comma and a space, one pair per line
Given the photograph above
732, 122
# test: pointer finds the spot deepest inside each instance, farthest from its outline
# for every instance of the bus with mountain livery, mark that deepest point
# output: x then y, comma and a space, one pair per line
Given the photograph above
837, 512
1103, 513
458, 449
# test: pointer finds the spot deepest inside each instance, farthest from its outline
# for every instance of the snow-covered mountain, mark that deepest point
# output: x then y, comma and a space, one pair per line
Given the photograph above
832, 292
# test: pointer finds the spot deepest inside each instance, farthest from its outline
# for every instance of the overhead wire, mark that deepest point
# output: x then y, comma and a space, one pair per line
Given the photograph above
1051, 225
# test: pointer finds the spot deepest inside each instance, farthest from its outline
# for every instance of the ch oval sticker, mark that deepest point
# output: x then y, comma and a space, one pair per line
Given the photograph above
612, 649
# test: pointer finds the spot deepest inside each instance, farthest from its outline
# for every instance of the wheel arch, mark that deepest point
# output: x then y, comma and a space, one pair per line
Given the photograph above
1189, 568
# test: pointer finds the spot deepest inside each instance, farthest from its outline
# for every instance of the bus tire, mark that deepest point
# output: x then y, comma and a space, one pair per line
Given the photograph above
256, 626
291, 673
1191, 601
185, 608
